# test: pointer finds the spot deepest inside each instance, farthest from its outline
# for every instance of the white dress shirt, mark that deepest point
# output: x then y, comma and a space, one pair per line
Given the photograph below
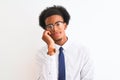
77, 62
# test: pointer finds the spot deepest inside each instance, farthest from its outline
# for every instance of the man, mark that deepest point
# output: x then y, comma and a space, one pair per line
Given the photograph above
61, 59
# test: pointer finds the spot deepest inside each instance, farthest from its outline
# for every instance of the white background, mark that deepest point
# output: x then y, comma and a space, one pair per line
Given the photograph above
94, 23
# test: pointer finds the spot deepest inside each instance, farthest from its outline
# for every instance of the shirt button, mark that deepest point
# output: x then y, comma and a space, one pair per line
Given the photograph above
49, 73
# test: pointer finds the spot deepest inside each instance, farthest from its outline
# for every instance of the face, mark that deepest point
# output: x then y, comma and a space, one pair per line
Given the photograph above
56, 25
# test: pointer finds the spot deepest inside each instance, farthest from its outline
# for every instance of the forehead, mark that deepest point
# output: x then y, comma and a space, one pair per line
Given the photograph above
53, 19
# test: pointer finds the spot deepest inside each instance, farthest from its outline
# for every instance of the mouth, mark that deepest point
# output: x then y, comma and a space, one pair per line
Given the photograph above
56, 34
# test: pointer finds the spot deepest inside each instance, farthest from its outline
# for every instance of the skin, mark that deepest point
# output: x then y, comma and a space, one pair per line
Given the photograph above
57, 35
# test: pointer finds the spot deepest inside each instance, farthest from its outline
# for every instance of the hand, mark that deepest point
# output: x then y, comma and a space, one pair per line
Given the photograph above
47, 38
50, 42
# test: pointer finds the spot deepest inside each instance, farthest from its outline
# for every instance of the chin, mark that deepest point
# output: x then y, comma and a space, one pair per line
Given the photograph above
57, 39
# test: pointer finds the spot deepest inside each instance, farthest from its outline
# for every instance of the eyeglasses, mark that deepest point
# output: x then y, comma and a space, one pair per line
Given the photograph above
58, 24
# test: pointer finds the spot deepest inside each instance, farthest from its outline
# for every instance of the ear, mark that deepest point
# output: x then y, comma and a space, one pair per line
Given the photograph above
65, 26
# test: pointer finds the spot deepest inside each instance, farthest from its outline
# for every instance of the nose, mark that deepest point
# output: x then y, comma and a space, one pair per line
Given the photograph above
55, 28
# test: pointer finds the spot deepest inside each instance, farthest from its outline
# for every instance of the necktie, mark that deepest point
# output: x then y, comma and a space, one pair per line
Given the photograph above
61, 66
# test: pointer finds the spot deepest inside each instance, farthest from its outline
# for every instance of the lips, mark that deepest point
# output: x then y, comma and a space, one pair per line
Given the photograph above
56, 34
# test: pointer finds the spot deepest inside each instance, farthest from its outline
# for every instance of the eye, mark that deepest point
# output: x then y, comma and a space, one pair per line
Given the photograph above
58, 23
49, 26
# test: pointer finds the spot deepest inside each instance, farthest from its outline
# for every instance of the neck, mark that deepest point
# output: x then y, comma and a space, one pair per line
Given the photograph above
61, 41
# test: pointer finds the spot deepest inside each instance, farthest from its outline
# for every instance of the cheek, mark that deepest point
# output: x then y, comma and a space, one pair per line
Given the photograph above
62, 32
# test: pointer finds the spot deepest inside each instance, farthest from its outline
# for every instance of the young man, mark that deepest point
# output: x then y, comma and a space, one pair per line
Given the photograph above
61, 59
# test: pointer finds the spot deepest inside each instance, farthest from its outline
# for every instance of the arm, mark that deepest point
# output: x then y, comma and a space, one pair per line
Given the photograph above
46, 59
46, 66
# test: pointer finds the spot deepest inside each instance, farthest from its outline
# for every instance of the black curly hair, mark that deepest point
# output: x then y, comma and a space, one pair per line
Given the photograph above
54, 10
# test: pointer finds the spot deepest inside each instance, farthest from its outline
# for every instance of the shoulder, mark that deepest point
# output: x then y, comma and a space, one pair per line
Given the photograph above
81, 48
78, 45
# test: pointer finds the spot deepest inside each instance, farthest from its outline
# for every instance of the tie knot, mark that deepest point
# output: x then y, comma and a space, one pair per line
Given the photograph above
60, 49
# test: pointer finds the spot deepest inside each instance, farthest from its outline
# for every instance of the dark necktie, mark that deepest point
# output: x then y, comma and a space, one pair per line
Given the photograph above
61, 68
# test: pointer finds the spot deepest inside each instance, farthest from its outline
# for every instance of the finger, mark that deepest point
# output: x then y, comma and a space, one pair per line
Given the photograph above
48, 32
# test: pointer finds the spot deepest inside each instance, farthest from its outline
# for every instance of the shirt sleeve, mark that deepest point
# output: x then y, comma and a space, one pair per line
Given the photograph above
87, 72
47, 69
